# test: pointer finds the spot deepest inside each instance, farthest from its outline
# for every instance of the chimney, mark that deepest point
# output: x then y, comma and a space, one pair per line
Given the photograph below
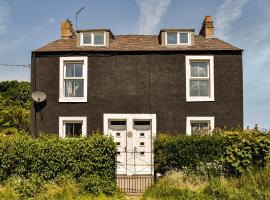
207, 29
67, 30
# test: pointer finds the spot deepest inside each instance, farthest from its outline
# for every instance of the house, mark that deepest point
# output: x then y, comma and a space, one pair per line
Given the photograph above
134, 86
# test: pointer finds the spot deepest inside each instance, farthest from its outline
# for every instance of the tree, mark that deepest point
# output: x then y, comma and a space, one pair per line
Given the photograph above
15, 106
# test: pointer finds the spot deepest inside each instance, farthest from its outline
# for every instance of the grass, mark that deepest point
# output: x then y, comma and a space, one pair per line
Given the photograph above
63, 188
253, 184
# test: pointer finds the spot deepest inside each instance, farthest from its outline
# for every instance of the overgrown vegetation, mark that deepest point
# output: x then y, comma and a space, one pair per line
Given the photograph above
224, 152
90, 161
15, 107
252, 184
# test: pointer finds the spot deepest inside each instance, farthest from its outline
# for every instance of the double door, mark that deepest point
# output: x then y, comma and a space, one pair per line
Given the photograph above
134, 141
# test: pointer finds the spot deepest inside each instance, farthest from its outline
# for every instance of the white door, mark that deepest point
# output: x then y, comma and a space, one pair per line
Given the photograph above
118, 130
133, 135
142, 146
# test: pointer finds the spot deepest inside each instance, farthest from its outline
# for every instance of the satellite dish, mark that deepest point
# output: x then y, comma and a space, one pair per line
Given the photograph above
38, 96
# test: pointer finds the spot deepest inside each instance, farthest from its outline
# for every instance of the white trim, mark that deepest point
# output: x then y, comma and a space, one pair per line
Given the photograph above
211, 121
92, 38
62, 61
211, 96
178, 38
62, 120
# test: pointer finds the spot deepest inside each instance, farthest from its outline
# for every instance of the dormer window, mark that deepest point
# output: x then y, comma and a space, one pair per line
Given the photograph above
178, 38
93, 39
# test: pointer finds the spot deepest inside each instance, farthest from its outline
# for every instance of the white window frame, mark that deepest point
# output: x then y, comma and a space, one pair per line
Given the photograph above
178, 38
62, 97
92, 38
211, 121
211, 96
63, 120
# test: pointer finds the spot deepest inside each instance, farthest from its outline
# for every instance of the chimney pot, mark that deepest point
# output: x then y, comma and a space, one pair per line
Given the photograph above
67, 30
207, 29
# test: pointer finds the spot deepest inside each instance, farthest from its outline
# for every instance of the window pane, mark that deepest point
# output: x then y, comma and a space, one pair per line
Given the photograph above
183, 37
99, 38
87, 38
73, 70
204, 89
171, 37
199, 88
199, 127
73, 129
74, 88
77, 130
78, 69
69, 70
69, 129
199, 69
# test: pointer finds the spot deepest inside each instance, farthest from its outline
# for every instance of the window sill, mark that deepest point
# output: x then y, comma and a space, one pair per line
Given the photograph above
75, 100
199, 99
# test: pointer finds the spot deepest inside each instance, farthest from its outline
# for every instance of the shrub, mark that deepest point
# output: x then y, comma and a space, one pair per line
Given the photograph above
187, 152
50, 157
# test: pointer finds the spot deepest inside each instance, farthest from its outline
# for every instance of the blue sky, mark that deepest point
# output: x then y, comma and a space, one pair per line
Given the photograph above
26, 25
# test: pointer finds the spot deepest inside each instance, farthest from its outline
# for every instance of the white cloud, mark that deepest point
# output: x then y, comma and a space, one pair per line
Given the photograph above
227, 13
151, 12
4, 15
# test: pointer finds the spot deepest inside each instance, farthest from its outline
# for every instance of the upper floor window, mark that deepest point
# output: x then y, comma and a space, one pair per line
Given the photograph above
93, 39
199, 78
73, 79
178, 38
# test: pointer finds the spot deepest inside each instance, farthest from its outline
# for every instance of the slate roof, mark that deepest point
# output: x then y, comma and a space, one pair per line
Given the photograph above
138, 43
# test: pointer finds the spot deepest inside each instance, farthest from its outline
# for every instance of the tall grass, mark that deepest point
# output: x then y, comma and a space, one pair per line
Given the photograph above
254, 184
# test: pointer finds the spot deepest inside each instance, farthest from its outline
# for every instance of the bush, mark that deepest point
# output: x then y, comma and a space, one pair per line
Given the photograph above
229, 152
186, 152
50, 157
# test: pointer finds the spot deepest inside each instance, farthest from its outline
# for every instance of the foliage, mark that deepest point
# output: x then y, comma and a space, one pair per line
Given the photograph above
252, 184
61, 188
15, 106
244, 149
186, 152
229, 152
90, 160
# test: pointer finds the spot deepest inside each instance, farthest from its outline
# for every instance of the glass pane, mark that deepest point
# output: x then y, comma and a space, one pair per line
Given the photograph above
199, 88
199, 69
73, 129
99, 38
204, 89
74, 88
194, 88
77, 130
183, 37
73, 70
78, 69
199, 127
69, 129
87, 38
69, 70
171, 37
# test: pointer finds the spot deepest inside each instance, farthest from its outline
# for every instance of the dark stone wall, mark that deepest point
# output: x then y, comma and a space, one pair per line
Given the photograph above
140, 83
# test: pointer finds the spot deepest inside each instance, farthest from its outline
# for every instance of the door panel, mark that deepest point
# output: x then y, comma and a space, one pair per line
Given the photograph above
118, 130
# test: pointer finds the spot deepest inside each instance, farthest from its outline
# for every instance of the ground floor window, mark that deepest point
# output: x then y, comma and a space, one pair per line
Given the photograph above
200, 125
72, 127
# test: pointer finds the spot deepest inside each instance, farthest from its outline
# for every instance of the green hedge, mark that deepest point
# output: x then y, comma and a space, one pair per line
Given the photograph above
179, 152
232, 151
91, 160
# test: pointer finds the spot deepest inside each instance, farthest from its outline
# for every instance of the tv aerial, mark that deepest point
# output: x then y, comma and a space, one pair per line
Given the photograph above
38, 96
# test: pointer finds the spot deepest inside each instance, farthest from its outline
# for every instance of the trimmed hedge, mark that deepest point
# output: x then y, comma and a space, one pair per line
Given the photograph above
91, 160
179, 152
232, 151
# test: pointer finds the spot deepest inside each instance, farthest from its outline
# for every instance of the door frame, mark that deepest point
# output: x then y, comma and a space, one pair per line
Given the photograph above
129, 126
